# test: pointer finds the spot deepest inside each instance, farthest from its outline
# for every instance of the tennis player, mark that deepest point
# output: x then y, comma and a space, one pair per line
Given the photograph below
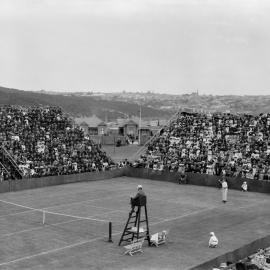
224, 190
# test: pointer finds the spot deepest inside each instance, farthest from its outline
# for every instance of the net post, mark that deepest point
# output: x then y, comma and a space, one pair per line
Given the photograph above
43, 217
110, 233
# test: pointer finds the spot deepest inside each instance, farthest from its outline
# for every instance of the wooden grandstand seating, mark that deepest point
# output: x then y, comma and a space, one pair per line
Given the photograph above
135, 246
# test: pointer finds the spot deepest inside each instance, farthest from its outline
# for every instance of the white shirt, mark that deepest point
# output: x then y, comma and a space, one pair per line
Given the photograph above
244, 186
224, 184
213, 241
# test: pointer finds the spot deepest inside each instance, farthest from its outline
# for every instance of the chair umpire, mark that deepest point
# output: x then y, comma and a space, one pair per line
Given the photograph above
139, 199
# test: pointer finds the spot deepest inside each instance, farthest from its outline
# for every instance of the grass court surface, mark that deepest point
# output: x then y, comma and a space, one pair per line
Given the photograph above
67, 242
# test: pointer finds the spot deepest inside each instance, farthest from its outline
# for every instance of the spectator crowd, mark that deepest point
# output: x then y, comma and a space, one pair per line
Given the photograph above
215, 144
42, 141
260, 261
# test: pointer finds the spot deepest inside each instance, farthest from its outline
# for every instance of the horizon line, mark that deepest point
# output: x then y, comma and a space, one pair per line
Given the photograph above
196, 92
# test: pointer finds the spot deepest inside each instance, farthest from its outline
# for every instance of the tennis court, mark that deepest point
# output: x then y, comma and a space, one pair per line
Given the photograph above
76, 217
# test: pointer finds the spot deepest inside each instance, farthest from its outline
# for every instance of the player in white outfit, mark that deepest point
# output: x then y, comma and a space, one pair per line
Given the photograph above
224, 189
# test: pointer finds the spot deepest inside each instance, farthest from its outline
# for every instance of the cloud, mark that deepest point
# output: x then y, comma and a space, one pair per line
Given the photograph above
139, 44
92, 7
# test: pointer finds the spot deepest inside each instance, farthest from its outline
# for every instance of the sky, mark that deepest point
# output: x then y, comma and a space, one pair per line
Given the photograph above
165, 46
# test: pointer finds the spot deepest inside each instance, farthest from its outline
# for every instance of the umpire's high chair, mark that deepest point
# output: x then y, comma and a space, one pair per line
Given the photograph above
133, 229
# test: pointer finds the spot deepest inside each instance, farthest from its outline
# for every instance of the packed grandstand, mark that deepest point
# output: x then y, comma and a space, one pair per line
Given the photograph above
42, 141
258, 260
233, 145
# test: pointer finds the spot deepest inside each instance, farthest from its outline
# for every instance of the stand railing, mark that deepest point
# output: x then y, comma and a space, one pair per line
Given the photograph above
7, 161
142, 149
3, 167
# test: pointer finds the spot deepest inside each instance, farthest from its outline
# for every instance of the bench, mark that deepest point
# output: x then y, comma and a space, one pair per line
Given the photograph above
159, 238
135, 246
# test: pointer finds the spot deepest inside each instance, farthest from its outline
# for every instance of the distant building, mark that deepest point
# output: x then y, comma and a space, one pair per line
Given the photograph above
112, 132
155, 130
130, 128
93, 131
102, 128
154, 123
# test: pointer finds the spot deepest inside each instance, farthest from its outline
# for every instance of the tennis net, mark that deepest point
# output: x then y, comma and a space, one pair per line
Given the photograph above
22, 218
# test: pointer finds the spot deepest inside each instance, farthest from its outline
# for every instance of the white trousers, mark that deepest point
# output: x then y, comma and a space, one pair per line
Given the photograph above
224, 194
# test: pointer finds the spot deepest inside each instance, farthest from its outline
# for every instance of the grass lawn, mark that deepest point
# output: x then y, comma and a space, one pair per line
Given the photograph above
188, 212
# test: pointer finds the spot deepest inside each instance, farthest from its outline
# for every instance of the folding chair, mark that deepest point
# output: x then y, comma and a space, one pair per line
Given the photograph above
135, 246
159, 238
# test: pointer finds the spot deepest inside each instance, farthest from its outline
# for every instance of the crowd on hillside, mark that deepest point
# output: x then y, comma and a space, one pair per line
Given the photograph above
215, 144
43, 142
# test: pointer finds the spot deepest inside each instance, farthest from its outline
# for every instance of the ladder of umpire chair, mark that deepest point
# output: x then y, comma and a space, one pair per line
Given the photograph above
134, 220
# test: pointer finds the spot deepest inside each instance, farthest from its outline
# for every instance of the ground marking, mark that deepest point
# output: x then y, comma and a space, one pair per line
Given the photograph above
81, 243
62, 214
54, 250
205, 210
36, 228
79, 202
182, 216
54, 206
53, 224
116, 233
14, 214
18, 205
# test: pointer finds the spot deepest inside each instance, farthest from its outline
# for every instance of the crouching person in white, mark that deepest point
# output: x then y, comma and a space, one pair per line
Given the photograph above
213, 241
244, 186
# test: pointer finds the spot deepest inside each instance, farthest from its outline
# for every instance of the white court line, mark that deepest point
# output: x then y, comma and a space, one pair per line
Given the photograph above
185, 215
18, 205
31, 208
14, 214
120, 211
98, 207
50, 207
62, 214
36, 228
53, 224
205, 210
50, 212
116, 233
99, 238
105, 208
78, 217
84, 242
67, 204
58, 205
54, 250
81, 243
90, 200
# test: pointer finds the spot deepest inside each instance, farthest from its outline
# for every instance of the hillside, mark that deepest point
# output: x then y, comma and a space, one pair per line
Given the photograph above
228, 103
110, 106
79, 105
